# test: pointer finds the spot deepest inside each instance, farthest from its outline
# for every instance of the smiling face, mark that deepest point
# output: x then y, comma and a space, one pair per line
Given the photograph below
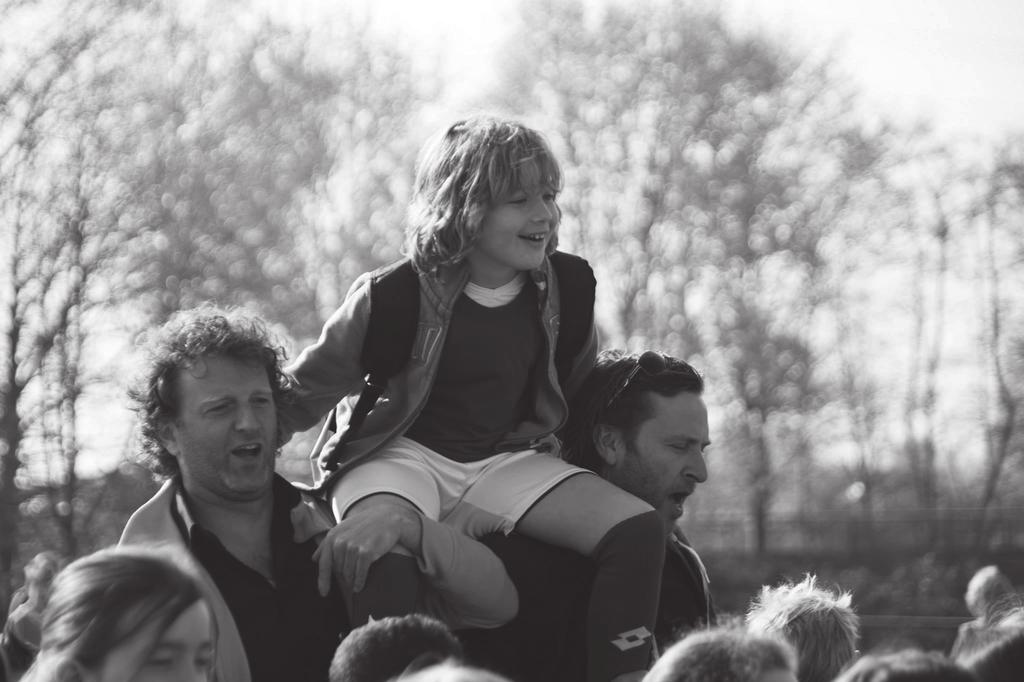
514, 236
181, 653
662, 461
225, 433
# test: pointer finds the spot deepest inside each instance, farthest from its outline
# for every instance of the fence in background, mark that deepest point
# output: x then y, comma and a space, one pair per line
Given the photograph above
911, 531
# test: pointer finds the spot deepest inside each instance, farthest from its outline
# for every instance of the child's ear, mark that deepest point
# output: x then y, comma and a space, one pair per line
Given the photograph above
609, 443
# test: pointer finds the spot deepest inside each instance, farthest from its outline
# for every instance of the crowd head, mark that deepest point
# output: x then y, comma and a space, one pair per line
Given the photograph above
820, 623
986, 592
453, 671
39, 574
181, 345
726, 654
385, 648
906, 665
461, 173
617, 393
639, 421
122, 614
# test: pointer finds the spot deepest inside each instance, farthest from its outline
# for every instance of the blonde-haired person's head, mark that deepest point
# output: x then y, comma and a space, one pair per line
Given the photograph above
986, 592
819, 622
461, 173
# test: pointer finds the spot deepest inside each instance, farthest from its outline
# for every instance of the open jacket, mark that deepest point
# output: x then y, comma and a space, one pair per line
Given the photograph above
466, 584
329, 373
153, 524
686, 603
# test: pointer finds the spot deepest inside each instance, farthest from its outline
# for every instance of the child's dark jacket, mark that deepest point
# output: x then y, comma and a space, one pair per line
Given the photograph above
330, 372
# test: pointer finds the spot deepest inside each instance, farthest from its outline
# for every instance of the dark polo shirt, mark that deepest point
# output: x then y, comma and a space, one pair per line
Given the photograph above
289, 631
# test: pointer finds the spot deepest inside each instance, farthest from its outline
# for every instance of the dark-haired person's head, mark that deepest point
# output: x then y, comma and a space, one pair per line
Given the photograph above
726, 654
453, 671
202, 344
125, 614
386, 648
908, 665
639, 421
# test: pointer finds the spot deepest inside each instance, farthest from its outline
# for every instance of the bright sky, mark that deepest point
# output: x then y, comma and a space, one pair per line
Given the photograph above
957, 63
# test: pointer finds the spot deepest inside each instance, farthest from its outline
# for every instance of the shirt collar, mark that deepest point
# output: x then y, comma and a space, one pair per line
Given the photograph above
182, 513
285, 497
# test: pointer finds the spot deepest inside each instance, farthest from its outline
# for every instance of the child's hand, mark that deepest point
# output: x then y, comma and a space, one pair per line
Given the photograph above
351, 547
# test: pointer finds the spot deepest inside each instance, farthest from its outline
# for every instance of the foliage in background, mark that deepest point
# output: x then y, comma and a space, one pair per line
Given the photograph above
851, 290
706, 171
63, 221
150, 159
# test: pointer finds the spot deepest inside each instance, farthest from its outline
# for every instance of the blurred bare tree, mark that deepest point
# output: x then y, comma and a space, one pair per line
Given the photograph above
705, 167
939, 220
154, 156
62, 200
1001, 269
738, 209
352, 216
356, 220
230, 119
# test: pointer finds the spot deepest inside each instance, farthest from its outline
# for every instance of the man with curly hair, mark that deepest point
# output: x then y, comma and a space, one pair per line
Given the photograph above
208, 404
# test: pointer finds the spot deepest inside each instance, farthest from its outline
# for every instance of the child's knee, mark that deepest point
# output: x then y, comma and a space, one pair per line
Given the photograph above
342, 510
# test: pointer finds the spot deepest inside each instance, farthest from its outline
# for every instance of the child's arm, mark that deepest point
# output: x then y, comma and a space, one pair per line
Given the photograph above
331, 368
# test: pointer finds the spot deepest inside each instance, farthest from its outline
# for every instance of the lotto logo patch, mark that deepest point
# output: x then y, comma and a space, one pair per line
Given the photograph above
631, 639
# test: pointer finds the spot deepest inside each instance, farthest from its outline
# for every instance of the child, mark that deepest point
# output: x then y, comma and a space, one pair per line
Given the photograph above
126, 614
466, 431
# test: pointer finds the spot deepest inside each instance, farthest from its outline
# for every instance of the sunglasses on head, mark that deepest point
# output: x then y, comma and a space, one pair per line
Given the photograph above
650, 363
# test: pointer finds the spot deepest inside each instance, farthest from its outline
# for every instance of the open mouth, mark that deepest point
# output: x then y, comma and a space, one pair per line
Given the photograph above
677, 500
248, 450
535, 238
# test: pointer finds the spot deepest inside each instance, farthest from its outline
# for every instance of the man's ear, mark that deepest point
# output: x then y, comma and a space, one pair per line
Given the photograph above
168, 438
609, 443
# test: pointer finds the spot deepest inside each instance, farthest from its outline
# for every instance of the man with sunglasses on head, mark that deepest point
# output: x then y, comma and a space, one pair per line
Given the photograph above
640, 422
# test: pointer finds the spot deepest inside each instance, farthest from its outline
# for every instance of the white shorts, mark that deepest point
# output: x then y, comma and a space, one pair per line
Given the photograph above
474, 497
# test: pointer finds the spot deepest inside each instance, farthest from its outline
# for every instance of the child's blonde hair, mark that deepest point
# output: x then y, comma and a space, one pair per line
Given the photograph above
461, 173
